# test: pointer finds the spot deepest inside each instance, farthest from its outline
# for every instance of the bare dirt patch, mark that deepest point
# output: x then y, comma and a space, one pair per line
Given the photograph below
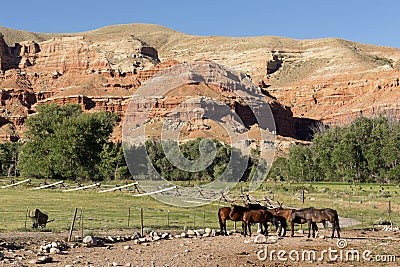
22, 248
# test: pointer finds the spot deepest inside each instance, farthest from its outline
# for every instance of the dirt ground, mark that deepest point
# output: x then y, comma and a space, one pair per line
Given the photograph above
375, 248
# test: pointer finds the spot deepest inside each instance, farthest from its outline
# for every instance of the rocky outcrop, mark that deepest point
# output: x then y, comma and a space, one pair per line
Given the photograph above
7, 61
305, 81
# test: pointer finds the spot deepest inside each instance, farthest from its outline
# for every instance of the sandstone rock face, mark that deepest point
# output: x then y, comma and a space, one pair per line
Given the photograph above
305, 81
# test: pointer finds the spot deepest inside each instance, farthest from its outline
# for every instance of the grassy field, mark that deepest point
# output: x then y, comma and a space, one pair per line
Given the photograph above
365, 203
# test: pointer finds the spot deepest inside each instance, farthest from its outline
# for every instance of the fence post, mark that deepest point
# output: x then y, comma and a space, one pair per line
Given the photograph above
82, 222
362, 221
26, 215
129, 216
141, 221
72, 225
204, 220
168, 218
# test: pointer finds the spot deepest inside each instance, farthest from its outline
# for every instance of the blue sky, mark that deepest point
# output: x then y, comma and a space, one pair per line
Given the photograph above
371, 22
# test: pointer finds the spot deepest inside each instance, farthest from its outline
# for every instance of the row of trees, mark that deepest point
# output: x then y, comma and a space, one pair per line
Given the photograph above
367, 150
64, 142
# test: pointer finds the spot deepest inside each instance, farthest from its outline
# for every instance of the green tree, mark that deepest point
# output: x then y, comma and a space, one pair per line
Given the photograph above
64, 142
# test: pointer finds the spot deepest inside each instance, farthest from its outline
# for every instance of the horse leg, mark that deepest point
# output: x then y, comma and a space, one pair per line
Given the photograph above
315, 228
291, 228
309, 228
249, 225
224, 231
266, 228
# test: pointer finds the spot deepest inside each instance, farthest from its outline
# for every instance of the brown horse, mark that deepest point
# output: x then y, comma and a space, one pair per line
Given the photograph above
251, 216
223, 216
313, 216
287, 213
279, 221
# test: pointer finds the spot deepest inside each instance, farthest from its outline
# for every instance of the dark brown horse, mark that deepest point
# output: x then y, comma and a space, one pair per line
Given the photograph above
223, 216
313, 216
252, 216
279, 221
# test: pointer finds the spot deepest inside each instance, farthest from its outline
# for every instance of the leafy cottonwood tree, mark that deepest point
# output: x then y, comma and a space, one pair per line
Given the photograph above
64, 142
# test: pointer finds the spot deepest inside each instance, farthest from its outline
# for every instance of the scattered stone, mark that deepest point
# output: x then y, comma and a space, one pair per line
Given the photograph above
136, 235
142, 239
111, 239
208, 231
191, 232
127, 247
165, 235
247, 241
177, 236
322, 237
200, 232
300, 231
89, 241
156, 238
115, 264
44, 259
54, 251
184, 235
259, 239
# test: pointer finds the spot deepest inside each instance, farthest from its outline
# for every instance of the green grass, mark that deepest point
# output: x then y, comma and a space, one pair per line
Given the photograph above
110, 210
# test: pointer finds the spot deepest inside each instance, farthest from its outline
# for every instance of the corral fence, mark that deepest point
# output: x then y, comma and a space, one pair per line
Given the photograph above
133, 217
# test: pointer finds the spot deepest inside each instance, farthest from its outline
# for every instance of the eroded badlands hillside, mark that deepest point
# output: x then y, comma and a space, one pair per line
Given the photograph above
330, 80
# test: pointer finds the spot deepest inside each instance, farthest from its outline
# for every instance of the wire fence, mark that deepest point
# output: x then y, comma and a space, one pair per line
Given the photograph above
102, 219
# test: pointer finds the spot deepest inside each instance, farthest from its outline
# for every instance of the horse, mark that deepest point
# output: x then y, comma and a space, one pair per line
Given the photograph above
38, 218
313, 216
223, 216
251, 216
279, 221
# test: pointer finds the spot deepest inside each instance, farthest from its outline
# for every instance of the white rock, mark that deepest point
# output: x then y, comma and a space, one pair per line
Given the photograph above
165, 235
184, 234
259, 239
54, 251
207, 231
127, 247
190, 232
54, 245
44, 259
201, 232
89, 240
